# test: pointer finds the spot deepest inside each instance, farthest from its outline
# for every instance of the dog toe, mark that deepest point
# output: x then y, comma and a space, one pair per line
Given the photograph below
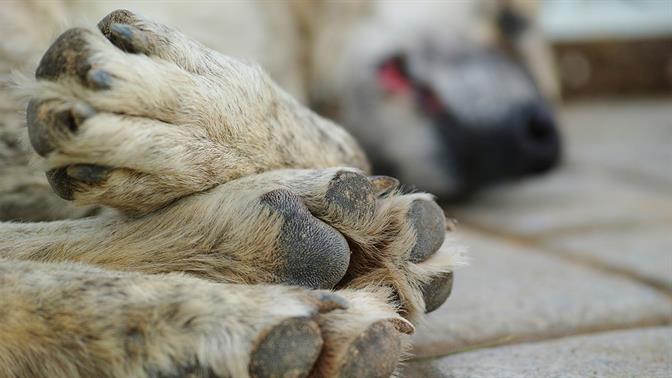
374, 353
429, 223
289, 349
437, 290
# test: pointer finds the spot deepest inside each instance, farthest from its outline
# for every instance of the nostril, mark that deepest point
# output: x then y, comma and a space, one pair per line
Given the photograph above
539, 140
539, 126
540, 129
536, 130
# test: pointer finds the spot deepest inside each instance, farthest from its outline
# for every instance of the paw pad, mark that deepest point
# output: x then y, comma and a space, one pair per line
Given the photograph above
430, 226
289, 350
352, 193
375, 353
46, 124
436, 291
316, 255
68, 55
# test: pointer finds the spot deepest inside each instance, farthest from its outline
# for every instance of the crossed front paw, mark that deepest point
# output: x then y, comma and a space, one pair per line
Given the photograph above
321, 229
136, 108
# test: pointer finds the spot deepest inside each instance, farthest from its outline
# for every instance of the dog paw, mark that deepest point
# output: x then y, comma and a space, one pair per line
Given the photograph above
321, 229
383, 237
358, 335
95, 322
136, 115
365, 338
397, 240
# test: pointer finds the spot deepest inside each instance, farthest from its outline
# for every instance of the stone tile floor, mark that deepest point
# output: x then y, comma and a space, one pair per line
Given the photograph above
571, 273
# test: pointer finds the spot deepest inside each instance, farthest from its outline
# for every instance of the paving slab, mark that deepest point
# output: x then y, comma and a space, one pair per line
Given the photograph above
512, 293
626, 353
643, 251
568, 199
630, 137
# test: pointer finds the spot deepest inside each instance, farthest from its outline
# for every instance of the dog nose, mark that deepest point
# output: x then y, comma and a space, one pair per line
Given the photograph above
537, 137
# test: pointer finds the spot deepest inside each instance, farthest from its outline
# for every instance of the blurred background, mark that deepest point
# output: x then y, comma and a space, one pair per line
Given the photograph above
571, 273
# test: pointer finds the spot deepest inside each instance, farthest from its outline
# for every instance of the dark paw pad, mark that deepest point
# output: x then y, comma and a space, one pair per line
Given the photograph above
430, 226
289, 350
374, 353
436, 291
46, 125
316, 255
68, 55
353, 193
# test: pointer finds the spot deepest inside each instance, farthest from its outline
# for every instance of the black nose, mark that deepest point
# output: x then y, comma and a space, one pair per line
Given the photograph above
537, 138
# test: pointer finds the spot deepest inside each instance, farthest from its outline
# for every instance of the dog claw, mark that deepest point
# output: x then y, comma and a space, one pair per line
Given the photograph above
128, 38
330, 301
402, 325
99, 79
60, 183
88, 173
383, 184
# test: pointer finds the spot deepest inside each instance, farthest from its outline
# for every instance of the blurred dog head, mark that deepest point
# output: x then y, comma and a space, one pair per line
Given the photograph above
451, 96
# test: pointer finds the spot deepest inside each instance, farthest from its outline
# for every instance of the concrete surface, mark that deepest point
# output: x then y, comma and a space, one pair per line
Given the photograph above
629, 353
571, 273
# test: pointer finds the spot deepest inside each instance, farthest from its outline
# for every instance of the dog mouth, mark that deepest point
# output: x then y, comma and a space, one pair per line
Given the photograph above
394, 79
393, 76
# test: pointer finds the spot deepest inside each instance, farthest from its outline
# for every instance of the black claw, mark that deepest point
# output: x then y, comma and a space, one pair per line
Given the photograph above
61, 183
80, 113
99, 79
289, 349
123, 31
88, 173
331, 301
119, 16
383, 184
128, 38
430, 226
436, 291
402, 325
